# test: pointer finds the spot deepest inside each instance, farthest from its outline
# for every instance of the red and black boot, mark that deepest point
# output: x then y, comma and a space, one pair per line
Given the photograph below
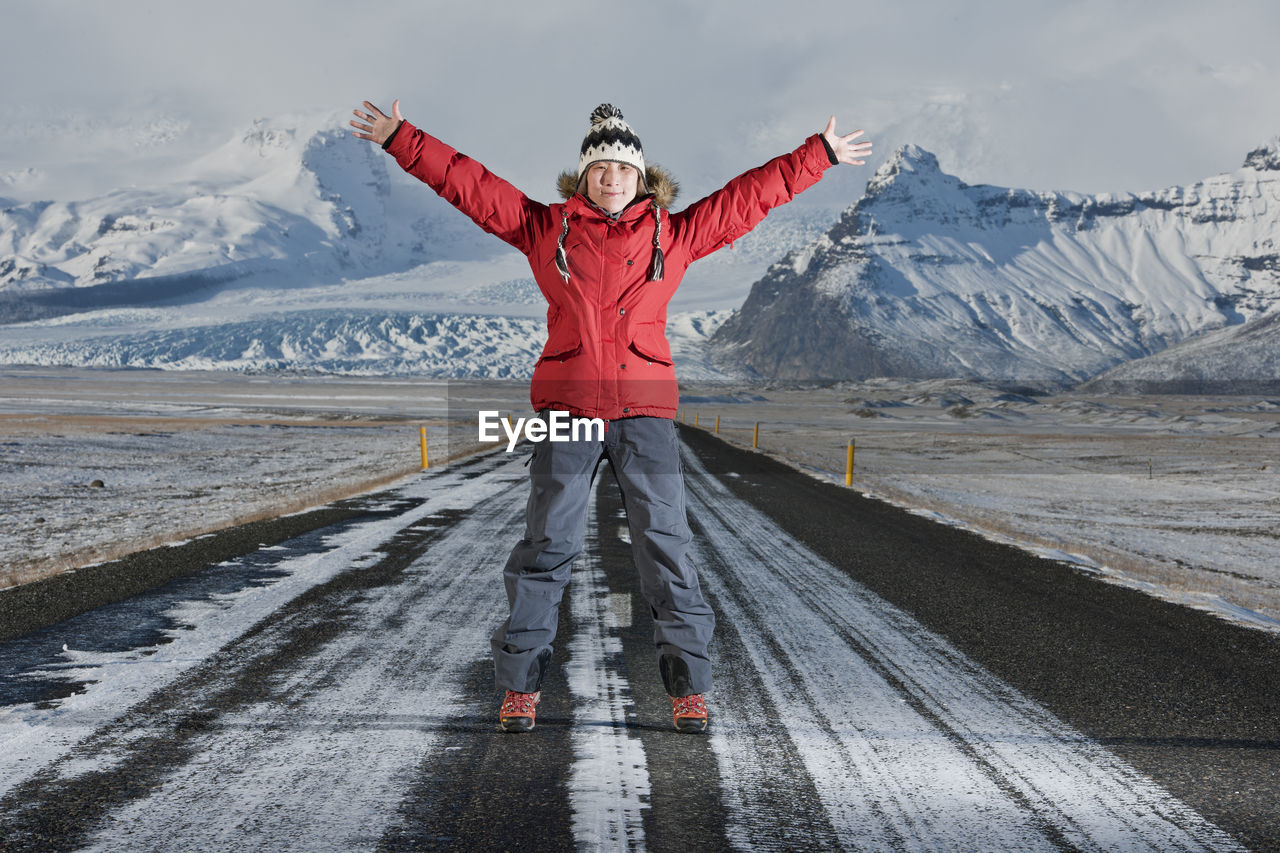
518, 711
690, 713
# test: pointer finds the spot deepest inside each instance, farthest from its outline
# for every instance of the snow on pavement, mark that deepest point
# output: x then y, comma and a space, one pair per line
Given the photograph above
910, 745
322, 763
609, 781
959, 760
32, 737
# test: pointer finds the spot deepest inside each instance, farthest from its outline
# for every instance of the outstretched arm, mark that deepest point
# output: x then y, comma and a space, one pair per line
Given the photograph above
491, 202
380, 125
740, 205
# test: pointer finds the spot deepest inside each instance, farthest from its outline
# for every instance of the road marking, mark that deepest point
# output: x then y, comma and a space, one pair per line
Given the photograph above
911, 745
609, 780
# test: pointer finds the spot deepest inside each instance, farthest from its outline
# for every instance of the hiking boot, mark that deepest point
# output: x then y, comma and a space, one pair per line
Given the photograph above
690, 713
518, 711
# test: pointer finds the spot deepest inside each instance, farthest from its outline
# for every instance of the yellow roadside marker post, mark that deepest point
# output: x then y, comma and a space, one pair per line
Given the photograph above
717, 424
848, 467
422, 436
755, 436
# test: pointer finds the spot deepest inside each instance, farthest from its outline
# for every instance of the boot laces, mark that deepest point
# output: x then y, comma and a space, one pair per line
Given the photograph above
519, 704
689, 706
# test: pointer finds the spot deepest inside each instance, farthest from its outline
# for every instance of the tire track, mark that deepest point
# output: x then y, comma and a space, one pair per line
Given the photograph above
301, 733
365, 708
909, 744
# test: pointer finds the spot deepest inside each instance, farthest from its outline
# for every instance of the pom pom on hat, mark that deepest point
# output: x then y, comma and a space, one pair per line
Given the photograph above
605, 111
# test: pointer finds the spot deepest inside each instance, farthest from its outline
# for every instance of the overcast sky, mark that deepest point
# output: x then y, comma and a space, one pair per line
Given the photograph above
1087, 96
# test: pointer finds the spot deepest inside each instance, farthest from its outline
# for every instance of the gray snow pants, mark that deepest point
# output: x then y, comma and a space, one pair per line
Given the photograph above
645, 456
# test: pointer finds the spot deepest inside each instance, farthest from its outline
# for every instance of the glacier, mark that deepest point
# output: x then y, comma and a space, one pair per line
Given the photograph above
295, 246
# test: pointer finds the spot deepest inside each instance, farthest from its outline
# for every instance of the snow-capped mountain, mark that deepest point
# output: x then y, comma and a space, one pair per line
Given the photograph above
295, 197
929, 277
295, 245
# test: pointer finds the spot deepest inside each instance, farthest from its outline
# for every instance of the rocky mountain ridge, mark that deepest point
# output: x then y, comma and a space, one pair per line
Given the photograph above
927, 276
293, 245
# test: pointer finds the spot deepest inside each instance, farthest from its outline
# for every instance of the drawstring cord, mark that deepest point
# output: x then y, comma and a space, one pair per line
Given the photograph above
562, 260
656, 270
659, 262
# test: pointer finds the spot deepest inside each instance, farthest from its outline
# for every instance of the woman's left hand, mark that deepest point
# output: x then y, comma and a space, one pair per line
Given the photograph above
846, 150
380, 125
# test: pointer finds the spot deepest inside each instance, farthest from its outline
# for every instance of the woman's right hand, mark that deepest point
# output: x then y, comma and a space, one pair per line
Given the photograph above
844, 147
380, 126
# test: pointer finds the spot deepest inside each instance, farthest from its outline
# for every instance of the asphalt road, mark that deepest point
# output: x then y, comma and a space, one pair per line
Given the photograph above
883, 682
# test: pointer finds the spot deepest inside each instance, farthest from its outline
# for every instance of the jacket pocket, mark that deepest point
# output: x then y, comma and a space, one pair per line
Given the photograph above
561, 347
651, 344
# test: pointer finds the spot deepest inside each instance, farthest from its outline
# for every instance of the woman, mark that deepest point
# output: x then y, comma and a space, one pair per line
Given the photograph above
608, 260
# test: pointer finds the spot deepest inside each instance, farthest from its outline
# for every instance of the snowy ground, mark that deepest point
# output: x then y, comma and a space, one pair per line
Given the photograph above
1177, 495
180, 454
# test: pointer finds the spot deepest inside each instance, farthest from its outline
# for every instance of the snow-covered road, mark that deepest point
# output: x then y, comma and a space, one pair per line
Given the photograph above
910, 745
327, 709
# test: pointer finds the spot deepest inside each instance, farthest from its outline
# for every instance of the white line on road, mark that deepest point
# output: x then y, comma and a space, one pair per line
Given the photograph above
609, 780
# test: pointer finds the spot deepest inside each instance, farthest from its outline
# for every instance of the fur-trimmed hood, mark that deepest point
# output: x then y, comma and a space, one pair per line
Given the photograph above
657, 180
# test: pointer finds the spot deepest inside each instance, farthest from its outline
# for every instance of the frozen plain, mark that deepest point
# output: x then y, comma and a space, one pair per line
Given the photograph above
1176, 495
180, 454
1179, 496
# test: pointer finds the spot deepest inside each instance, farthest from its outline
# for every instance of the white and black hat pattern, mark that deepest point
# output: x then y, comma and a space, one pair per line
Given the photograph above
610, 138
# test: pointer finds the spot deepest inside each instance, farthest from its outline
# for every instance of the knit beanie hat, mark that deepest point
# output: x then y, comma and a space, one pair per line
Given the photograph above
611, 138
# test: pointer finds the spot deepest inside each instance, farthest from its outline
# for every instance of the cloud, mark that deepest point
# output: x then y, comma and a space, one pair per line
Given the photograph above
1089, 95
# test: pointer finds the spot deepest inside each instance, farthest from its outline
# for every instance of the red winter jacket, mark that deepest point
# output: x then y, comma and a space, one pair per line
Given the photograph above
607, 354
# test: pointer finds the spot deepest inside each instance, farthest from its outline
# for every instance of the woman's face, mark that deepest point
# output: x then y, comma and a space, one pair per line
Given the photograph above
612, 186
